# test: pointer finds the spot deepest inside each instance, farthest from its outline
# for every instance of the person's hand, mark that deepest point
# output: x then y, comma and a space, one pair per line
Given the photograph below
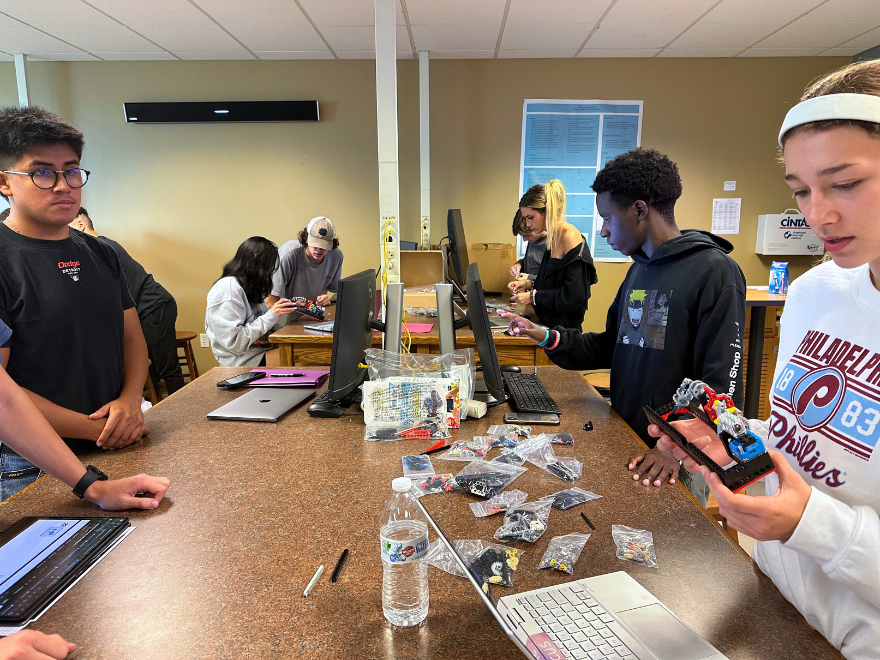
520, 327
283, 306
121, 494
699, 434
770, 518
515, 270
520, 285
125, 423
655, 466
323, 300
34, 645
521, 298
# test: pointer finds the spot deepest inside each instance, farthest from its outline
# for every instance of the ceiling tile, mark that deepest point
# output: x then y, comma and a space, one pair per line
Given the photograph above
28, 40
161, 55
61, 57
619, 52
362, 37
742, 11
864, 41
823, 35
699, 52
667, 11
537, 36
278, 37
840, 52
456, 12
724, 35
7, 22
456, 37
561, 11
253, 12
46, 14
214, 55
866, 11
155, 13
781, 52
110, 40
5, 58
641, 35
192, 38
341, 13
558, 53
462, 54
294, 55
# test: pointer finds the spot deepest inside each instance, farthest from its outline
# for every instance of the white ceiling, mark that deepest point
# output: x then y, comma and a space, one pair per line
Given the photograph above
91, 30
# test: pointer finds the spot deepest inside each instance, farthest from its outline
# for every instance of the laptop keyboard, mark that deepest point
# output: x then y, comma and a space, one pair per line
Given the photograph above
577, 623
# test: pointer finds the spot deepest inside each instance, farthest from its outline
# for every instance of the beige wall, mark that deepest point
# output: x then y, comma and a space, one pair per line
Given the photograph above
181, 198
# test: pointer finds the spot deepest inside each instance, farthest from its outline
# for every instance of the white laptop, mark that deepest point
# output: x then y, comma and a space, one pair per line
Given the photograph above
606, 617
264, 404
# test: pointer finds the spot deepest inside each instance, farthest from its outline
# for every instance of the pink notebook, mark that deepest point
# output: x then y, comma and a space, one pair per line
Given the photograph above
289, 377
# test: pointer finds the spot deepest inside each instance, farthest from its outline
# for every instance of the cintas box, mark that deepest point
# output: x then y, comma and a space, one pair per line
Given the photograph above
786, 234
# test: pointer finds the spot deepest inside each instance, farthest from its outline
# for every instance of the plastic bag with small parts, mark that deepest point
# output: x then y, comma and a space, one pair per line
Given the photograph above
566, 439
486, 479
510, 429
525, 522
563, 551
498, 504
490, 563
565, 499
635, 545
441, 557
417, 466
435, 483
567, 468
467, 450
503, 441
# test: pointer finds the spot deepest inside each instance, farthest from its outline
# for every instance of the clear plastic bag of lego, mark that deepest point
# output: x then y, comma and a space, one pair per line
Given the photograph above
434, 483
563, 551
460, 365
422, 311
398, 408
636, 545
566, 439
519, 454
466, 450
441, 557
510, 429
498, 504
490, 563
503, 441
509, 457
565, 499
524, 522
417, 466
486, 479
567, 468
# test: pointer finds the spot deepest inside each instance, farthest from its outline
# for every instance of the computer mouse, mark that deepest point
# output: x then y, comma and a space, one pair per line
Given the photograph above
510, 368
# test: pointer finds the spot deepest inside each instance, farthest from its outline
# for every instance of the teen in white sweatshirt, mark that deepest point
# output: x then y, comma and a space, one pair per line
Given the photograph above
236, 316
818, 527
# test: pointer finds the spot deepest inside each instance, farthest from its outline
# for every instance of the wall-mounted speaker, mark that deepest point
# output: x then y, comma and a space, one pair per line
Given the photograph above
214, 112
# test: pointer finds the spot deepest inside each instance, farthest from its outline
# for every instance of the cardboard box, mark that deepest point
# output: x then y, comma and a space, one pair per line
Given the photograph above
419, 297
786, 234
421, 268
495, 260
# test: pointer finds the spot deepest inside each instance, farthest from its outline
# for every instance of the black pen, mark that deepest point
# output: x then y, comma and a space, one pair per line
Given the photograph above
286, 375
587, 520
339, 565
434, 451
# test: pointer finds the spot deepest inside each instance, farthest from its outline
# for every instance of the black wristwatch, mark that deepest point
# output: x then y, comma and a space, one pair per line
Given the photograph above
92, 475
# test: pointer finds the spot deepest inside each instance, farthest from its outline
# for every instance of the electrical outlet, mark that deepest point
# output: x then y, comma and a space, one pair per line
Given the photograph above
203, 340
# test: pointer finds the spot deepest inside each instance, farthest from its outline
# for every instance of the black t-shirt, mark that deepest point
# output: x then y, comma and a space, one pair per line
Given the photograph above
148, 294
63, 301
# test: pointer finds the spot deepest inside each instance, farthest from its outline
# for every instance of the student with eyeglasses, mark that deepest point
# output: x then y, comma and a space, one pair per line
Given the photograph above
76, 346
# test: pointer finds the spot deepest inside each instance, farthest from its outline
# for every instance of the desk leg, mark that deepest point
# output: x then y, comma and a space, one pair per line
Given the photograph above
756, 356
285, 355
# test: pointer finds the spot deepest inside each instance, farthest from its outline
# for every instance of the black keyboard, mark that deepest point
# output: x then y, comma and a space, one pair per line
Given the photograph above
528, 393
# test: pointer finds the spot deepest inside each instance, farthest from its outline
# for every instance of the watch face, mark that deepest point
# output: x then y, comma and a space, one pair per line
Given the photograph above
101, 476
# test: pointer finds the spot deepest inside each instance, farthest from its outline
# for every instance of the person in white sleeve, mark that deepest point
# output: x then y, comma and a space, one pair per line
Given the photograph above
818, 527
236, 317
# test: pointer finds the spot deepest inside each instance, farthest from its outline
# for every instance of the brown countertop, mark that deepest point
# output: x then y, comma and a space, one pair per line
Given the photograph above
218, 570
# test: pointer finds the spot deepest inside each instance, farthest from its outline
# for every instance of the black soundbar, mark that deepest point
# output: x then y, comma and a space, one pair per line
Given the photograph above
220, 111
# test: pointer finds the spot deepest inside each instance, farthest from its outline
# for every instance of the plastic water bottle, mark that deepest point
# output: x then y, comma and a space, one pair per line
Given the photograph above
404, 540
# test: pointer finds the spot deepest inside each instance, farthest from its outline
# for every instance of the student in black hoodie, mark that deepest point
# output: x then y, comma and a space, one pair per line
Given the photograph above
678, 314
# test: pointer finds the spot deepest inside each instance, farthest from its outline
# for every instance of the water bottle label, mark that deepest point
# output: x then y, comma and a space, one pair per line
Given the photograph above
395, 552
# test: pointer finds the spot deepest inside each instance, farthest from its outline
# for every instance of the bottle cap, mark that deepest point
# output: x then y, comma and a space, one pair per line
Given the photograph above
401, 485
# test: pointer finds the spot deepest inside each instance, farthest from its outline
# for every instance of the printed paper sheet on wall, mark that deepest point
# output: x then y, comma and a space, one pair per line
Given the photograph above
571, 141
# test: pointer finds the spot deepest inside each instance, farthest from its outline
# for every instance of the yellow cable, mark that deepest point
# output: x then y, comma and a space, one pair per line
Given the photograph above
408, 345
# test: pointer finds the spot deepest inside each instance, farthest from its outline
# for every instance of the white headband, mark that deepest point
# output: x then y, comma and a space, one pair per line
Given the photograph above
859, 107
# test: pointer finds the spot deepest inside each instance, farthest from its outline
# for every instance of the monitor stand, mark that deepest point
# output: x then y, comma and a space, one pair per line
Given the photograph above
481, 393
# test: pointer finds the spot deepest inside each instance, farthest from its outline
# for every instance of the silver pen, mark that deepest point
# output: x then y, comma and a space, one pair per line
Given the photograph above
314, 579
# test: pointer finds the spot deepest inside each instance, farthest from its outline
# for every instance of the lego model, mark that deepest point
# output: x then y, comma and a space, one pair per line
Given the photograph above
309, 308
750, 458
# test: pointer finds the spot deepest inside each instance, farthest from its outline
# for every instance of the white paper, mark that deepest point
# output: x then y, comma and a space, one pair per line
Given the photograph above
729, 185
725, 215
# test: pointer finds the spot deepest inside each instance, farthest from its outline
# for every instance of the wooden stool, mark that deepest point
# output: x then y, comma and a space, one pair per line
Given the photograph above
188, 360
712, 509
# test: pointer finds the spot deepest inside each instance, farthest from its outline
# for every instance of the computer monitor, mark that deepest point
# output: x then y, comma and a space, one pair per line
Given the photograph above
352, 333
478, 319
458, 253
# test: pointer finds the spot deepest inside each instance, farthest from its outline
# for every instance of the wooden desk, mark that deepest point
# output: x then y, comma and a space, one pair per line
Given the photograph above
218, 570
759, 301
300, 346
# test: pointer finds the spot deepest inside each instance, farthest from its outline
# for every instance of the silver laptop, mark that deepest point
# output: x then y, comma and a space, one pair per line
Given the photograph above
606, 617
264, 404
